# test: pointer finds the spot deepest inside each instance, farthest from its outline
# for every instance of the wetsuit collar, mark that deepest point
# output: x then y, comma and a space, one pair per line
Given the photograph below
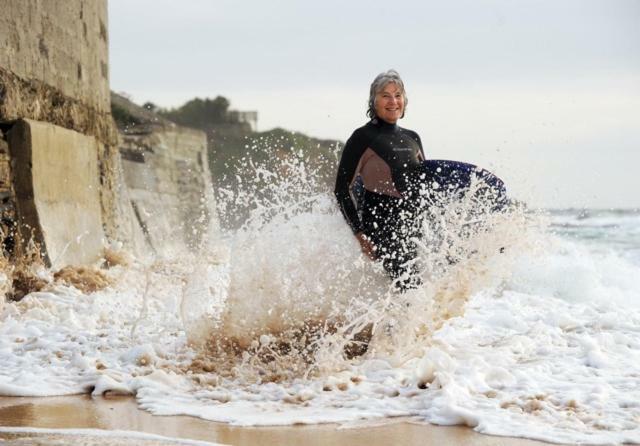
382, 124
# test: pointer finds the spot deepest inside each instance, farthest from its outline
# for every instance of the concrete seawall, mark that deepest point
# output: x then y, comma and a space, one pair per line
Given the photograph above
49, 163
69, 179
166, 173
61, 44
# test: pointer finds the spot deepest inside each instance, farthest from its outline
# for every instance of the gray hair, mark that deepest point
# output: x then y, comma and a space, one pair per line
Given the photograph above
378, 84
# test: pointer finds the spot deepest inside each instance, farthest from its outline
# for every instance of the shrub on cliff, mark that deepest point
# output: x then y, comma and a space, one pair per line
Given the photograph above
199, 113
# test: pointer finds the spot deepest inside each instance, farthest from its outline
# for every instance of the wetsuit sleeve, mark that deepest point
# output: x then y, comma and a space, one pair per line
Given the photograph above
353, 151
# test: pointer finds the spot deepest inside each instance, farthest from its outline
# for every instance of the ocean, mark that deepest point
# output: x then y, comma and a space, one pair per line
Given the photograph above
533, 330
612, 230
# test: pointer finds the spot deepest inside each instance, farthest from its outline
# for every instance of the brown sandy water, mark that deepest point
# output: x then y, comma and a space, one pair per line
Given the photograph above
122, 414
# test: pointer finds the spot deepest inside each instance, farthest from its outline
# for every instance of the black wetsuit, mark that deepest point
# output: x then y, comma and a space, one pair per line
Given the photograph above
388, 159
386, 163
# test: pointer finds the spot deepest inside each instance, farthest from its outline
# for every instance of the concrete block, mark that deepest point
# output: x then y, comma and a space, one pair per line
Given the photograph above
167, 184
139, 176
56, 180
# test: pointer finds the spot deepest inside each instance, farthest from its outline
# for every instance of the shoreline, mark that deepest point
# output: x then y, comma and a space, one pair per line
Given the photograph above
120, 419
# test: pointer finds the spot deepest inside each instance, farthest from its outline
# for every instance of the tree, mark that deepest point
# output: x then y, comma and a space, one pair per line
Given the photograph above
199, 113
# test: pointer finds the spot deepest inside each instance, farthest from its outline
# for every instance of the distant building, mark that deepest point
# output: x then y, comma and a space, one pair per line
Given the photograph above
244, 117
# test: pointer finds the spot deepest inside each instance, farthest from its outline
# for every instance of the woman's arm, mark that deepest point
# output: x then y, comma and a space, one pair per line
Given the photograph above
347, 171
367, 246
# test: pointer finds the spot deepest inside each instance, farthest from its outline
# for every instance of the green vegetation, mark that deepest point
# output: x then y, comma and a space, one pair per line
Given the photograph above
232, 141
123, 116
198, 113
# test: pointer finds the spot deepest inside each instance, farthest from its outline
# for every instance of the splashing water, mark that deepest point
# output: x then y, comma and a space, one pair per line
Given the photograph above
280, 319
298, 299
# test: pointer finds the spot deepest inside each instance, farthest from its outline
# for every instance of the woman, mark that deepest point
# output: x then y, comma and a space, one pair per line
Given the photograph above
387, 159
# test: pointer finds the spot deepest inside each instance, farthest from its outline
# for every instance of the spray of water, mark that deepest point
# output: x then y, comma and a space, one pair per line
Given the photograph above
288, 294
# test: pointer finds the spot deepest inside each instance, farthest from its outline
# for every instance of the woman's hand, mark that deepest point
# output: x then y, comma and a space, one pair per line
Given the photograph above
368, 248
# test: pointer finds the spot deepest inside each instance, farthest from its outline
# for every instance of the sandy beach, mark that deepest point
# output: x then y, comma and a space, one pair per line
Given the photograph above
122, 414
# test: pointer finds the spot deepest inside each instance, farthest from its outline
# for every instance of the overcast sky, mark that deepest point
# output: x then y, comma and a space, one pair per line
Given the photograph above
546, 93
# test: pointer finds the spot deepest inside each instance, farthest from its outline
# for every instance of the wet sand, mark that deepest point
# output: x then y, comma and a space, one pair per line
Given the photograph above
122, 414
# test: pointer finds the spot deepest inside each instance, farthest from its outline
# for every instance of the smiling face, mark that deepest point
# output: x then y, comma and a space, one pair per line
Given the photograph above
389, 103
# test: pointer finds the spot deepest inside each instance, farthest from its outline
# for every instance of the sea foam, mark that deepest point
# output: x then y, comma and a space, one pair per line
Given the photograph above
523, 333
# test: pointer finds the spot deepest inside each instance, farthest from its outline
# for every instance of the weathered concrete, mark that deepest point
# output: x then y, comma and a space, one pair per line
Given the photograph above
54, 69
165, 169
147, 190
34, 99
169, 184
54, 65
56, 180
63, 44
7, 199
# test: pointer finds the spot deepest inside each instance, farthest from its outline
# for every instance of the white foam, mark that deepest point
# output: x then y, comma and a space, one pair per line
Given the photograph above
547, 346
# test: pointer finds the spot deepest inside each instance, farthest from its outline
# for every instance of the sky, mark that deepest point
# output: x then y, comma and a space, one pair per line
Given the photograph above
545, 93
